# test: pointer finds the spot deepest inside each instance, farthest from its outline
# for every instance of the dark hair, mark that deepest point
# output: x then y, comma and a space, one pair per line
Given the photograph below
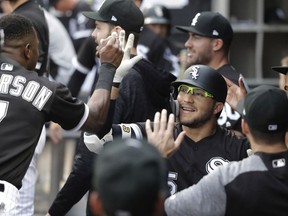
15, 27
267, 138
226, 47
136, 37
127, 33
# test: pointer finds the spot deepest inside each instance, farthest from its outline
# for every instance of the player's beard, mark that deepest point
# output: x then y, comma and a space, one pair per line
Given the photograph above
198, 58
198, 121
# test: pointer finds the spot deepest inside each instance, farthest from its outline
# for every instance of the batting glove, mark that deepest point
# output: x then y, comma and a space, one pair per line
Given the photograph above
94, 144
127, 63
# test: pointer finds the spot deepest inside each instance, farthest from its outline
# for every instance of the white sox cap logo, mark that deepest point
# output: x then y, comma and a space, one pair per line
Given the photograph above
194, 73
195, 19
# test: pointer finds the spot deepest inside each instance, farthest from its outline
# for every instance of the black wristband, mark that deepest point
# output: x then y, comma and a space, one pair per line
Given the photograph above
116, 85
106, 75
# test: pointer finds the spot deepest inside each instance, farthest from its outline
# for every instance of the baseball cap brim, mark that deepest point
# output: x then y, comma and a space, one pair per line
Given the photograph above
280, 69
94, 16
188, 29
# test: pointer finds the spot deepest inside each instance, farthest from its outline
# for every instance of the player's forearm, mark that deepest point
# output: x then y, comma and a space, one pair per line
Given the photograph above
100, 100
95, 144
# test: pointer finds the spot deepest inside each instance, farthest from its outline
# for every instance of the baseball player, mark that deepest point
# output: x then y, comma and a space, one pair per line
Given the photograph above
33, 11
61, 51
129, 178
257, 185
29, 100
201, 96
84, 63
154, 43
208, 43
143, 91
69, 12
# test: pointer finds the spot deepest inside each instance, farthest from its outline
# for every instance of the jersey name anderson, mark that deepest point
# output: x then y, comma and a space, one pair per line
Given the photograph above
17, 86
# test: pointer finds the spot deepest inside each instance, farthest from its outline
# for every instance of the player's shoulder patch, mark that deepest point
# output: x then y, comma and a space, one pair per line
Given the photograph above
6, 67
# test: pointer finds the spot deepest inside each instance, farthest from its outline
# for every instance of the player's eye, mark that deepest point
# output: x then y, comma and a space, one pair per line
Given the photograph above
184, 89
198, 93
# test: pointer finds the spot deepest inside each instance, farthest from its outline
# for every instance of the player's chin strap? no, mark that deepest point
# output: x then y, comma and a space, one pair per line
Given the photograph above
94, 144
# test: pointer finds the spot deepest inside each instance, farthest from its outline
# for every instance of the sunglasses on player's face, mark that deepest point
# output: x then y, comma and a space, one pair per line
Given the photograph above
198, 92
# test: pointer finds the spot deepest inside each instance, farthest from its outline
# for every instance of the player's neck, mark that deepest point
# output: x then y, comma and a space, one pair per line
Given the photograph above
16, 4
218, 61
197, 134
268, 148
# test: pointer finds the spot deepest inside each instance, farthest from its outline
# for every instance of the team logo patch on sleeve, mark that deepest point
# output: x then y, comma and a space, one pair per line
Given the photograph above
6, 67
279, 163
126, 131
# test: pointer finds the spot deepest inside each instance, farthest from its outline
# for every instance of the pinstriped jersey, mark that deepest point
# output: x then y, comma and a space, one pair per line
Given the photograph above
27, 101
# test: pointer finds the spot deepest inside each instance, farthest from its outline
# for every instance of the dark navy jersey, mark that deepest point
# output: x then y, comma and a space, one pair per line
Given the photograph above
27, 101
257, 185
78, 26
85, 62
35, 13
230, 118
193, 160
158, 50
86, 56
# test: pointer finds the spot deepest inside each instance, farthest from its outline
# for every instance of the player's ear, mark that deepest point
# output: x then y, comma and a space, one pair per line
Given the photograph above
217, 44
244, 126
96, 204
218, 107
117, 29
27, 51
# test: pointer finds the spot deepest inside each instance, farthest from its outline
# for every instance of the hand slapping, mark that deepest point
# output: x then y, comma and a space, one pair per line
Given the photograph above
127, 62
110, 51
162, 136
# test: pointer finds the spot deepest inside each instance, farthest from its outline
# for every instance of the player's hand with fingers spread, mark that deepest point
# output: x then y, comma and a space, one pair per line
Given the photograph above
235, 93
162, 135
110, 50
127, 63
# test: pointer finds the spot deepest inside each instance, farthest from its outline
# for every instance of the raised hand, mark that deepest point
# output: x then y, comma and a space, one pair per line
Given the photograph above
110, 50
235, 93
127, 63
162, 135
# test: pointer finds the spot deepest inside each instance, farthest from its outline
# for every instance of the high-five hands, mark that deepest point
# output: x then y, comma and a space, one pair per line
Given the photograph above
110, 51
162, 135
127, 63
235, 93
